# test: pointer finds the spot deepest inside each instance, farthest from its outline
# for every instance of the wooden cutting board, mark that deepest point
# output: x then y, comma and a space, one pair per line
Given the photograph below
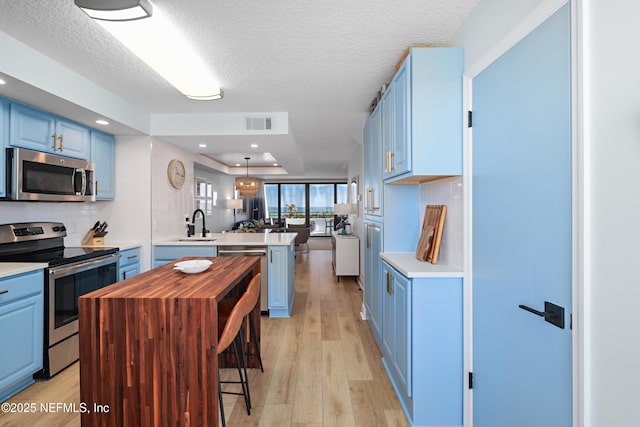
431, 235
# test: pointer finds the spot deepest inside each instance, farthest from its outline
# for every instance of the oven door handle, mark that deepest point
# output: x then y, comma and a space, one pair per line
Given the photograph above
80, 266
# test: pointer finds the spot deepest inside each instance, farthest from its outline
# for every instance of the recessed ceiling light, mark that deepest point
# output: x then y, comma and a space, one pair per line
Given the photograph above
254, 145
2, 82
275, 164
202, 145
102, 122
237, 164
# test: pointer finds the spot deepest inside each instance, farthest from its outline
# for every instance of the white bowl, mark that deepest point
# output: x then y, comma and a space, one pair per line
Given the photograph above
193, 266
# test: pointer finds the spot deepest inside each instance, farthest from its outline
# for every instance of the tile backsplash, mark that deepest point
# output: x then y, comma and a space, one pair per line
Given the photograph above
447, 192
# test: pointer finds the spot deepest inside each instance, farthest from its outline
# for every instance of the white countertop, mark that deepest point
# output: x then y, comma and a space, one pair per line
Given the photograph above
123, 246
407, 264
229, 239
13, 268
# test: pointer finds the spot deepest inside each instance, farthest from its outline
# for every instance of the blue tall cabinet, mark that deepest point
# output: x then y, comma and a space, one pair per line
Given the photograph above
414, 309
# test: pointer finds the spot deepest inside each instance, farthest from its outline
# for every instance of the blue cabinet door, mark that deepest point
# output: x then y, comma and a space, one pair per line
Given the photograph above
401, 157
281, 280
103, 153
166, 254
41, 131
21, 328
401, 352
522, 231
129, 263
32, 129
373, 163
396, 328
388, 132
373, 285
73, 139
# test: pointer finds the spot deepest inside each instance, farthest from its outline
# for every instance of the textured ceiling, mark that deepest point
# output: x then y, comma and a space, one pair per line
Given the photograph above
320, 61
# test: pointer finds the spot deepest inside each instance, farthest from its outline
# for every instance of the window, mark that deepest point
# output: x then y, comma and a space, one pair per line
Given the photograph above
305, 203
206, 198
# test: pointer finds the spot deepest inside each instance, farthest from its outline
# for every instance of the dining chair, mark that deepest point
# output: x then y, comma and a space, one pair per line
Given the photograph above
229, 332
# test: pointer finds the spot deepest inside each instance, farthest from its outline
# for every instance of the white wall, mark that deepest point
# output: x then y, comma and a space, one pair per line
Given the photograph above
221, 218
129, 214
496, 23
170, 206
611, 141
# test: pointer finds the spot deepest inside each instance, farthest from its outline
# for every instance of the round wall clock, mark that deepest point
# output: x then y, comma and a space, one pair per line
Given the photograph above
177, 173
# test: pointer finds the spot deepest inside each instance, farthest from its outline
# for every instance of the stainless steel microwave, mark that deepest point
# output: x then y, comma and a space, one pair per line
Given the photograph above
32, 175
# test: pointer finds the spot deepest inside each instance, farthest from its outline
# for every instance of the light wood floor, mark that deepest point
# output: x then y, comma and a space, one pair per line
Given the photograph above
322, 366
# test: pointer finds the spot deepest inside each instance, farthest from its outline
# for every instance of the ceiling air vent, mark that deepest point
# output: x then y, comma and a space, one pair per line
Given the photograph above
258, 123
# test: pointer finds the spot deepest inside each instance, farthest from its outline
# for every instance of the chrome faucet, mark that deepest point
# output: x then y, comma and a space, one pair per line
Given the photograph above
193, 221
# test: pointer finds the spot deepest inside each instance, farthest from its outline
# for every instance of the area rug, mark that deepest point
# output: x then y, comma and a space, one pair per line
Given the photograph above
319, 243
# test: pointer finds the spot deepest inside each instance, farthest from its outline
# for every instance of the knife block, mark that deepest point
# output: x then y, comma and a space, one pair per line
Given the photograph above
90, 239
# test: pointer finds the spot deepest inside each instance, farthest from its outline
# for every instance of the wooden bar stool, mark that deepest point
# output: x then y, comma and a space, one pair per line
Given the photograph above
230, 330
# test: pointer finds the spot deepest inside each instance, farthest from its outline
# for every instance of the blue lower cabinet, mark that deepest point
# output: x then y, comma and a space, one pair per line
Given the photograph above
21, 331
281, 280
129, 263
372, 284
166, 254
422, 349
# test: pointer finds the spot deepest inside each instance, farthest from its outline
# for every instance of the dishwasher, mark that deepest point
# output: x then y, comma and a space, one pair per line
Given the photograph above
260, 251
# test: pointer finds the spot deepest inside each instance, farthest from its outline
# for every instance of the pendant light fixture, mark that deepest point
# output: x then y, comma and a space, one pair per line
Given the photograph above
246, 185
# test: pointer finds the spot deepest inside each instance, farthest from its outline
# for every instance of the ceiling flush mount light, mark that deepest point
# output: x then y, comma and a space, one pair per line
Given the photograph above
159, 43
116, 10
102, 122
247, 186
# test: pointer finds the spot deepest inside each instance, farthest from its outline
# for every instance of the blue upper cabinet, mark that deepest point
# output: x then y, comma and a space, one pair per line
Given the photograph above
41, 131
422, 117
73, 139
372, 163
103, 153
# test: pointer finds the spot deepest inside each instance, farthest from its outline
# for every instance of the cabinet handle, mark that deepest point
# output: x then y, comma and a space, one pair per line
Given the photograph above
124, 275
389, 162
389, 285
96, 187
6, 291
132, 257
55, 139
61, 139
368, 198
368, 235
271, 257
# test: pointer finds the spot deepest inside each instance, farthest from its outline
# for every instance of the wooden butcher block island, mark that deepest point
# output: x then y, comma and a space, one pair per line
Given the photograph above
148, 345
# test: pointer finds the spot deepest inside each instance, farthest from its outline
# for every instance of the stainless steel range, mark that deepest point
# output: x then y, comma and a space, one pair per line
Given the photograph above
71, 272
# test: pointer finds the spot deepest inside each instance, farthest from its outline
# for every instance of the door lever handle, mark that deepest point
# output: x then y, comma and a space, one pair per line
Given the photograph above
552, 313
